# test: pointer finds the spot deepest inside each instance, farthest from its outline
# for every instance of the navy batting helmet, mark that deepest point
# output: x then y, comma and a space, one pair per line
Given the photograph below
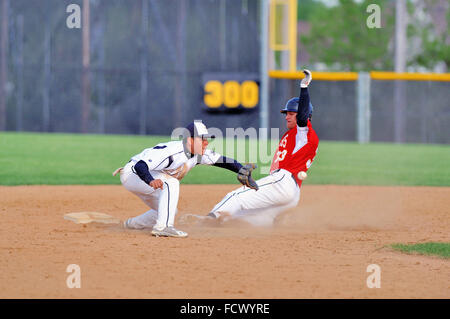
292, 106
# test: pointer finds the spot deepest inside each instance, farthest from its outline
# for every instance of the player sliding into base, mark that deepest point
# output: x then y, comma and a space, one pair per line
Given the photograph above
154, 176
280, 190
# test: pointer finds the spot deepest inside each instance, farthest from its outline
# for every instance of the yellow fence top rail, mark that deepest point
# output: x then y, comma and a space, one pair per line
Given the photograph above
353, 76
324, 76
376, 75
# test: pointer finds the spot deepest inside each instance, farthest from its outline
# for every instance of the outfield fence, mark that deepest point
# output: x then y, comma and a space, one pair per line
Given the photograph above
372, 107
146, 60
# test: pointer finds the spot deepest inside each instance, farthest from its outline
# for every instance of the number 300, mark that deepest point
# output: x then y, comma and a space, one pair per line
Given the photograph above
231, 94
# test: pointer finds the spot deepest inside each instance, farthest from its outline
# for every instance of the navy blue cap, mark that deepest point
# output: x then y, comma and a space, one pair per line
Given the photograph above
198, 129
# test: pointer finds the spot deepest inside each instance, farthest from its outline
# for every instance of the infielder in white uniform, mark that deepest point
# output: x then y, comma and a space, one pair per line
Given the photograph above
154, 176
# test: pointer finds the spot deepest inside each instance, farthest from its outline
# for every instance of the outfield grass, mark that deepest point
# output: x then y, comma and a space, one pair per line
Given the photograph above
32, 158
432, 249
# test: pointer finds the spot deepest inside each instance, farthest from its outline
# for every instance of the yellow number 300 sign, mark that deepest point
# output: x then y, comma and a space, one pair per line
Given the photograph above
231, 94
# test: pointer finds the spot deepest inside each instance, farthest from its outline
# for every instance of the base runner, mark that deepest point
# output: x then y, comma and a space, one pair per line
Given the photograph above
280, 190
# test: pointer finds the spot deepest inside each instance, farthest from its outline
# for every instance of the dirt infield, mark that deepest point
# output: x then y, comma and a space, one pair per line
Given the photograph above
320, 249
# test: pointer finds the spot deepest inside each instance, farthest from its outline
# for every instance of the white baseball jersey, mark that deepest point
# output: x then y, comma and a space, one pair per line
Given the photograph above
171, 159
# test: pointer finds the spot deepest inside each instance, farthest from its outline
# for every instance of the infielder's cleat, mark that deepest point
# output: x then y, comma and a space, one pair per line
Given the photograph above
169, 232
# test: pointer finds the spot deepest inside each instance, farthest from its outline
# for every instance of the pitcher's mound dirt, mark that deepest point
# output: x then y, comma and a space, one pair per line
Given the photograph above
320, 249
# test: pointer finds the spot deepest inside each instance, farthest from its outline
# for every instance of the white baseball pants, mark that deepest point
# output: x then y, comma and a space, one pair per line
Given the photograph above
163, 203
277, 193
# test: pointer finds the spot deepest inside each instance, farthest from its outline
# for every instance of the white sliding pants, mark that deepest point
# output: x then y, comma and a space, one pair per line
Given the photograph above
277, 193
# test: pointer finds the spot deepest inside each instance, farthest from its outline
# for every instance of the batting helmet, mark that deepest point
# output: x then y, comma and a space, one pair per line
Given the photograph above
292, 106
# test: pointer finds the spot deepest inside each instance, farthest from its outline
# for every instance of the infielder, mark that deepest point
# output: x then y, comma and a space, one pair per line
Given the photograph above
281, 189
154, 176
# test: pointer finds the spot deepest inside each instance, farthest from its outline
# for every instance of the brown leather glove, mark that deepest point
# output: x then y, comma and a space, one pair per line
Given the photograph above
245, 176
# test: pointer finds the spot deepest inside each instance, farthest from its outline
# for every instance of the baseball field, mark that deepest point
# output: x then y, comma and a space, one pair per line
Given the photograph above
382, 204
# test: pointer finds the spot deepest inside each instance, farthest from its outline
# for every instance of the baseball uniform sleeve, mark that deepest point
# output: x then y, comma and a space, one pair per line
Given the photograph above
141, 170
228, 163
213, 158
303, 105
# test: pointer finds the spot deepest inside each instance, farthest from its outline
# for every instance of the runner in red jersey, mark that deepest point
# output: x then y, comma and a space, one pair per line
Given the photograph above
298, 146
280, 190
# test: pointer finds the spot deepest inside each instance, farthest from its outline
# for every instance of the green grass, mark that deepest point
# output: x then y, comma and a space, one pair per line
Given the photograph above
32, 158
432, 249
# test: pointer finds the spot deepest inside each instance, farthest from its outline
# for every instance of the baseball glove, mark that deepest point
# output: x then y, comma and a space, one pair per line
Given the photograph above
245, 176
307, 79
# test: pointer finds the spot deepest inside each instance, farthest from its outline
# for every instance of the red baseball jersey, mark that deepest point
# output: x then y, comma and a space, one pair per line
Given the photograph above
296, 150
